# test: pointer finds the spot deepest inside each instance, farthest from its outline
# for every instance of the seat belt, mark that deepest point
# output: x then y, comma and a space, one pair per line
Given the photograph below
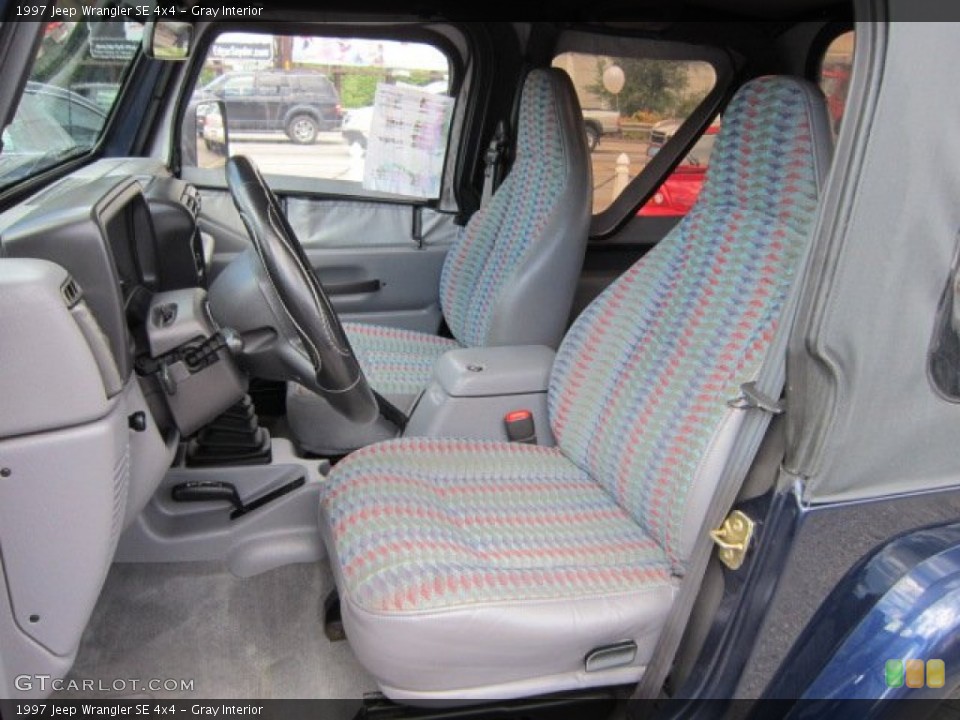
493, 163
390, 412
760, 400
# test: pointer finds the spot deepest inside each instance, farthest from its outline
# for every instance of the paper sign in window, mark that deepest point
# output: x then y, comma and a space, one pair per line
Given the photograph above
407, 142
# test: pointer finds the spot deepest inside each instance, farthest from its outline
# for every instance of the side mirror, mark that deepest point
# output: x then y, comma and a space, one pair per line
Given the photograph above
167, 40
204, 140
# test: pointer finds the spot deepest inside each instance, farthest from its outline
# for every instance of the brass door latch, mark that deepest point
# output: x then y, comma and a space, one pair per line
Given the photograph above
733, 539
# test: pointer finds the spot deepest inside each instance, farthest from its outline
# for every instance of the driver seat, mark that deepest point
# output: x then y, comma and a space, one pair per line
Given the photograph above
509, 279
481, 570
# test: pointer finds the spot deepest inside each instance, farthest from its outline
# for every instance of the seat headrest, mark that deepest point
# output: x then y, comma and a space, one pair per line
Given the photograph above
545, 92
776, 128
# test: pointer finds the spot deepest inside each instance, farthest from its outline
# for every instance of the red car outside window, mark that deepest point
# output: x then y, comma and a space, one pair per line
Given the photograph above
680, 190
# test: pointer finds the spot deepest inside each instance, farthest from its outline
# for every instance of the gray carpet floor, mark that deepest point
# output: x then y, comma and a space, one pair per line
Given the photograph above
259, 637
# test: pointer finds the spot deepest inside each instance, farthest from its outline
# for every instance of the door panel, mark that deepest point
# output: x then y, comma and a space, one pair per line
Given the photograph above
408, 283
359, 196
338, 223
364, 252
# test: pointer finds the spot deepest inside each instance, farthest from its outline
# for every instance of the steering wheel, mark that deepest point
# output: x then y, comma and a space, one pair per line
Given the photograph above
305, 315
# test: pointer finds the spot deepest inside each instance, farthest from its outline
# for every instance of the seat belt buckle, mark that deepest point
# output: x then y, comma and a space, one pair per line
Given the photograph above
520, 427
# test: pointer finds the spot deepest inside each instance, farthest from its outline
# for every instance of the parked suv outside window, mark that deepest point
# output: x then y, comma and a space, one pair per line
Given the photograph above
300, 104
279, 86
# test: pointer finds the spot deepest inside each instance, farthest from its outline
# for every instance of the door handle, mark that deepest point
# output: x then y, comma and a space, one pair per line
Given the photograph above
353, 288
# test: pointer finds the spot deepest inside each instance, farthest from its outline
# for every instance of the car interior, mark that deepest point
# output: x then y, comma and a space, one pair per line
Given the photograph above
444, 419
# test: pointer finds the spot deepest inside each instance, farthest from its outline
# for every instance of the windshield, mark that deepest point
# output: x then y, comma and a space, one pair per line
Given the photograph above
73, 84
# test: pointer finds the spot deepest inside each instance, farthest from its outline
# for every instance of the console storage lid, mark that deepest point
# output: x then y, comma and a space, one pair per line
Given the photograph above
475, 390
489, 371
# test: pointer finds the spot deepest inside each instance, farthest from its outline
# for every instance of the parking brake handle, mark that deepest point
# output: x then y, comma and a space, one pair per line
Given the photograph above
205, 491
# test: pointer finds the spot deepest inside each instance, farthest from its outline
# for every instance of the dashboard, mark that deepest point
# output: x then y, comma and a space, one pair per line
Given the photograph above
124, 229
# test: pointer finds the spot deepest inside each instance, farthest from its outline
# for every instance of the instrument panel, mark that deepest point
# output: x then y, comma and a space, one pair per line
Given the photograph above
122, 236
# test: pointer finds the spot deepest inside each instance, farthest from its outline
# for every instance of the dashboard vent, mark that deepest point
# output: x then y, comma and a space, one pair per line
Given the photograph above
191, 200
71, 292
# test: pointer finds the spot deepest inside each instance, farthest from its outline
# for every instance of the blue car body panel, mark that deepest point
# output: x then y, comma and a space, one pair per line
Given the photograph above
902, 602
918, 618
910, 581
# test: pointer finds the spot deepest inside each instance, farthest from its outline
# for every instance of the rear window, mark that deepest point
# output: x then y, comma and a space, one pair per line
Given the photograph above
239, 86
631, 107
316, 85
270, 85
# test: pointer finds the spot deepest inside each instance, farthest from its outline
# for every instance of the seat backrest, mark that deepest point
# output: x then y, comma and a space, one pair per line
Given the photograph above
639, 391
510, 278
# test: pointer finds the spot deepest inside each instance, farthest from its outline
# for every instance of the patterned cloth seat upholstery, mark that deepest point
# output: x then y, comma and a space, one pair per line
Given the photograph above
510, 277
479, 570
396, 362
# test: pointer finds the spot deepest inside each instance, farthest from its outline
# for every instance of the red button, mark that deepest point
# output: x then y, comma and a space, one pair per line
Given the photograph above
518, 416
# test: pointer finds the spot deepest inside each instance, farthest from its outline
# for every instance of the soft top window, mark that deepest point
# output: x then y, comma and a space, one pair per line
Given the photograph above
374, 113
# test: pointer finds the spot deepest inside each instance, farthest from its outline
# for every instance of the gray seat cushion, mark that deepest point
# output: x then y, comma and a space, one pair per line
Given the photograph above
486, 567
397, 362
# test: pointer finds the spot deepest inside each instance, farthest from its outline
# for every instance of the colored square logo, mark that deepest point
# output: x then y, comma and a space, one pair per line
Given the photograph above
893, 673
914, 672
936, 674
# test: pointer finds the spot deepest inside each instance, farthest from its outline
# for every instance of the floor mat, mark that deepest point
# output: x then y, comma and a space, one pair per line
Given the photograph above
259, 637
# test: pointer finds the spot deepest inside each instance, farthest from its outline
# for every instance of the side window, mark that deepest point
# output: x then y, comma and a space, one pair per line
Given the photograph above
836, 67
269, 85
372, 113
239, 86
315, 85
631, 107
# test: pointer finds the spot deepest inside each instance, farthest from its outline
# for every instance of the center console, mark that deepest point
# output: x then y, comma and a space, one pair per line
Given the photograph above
251, 517
476, 393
